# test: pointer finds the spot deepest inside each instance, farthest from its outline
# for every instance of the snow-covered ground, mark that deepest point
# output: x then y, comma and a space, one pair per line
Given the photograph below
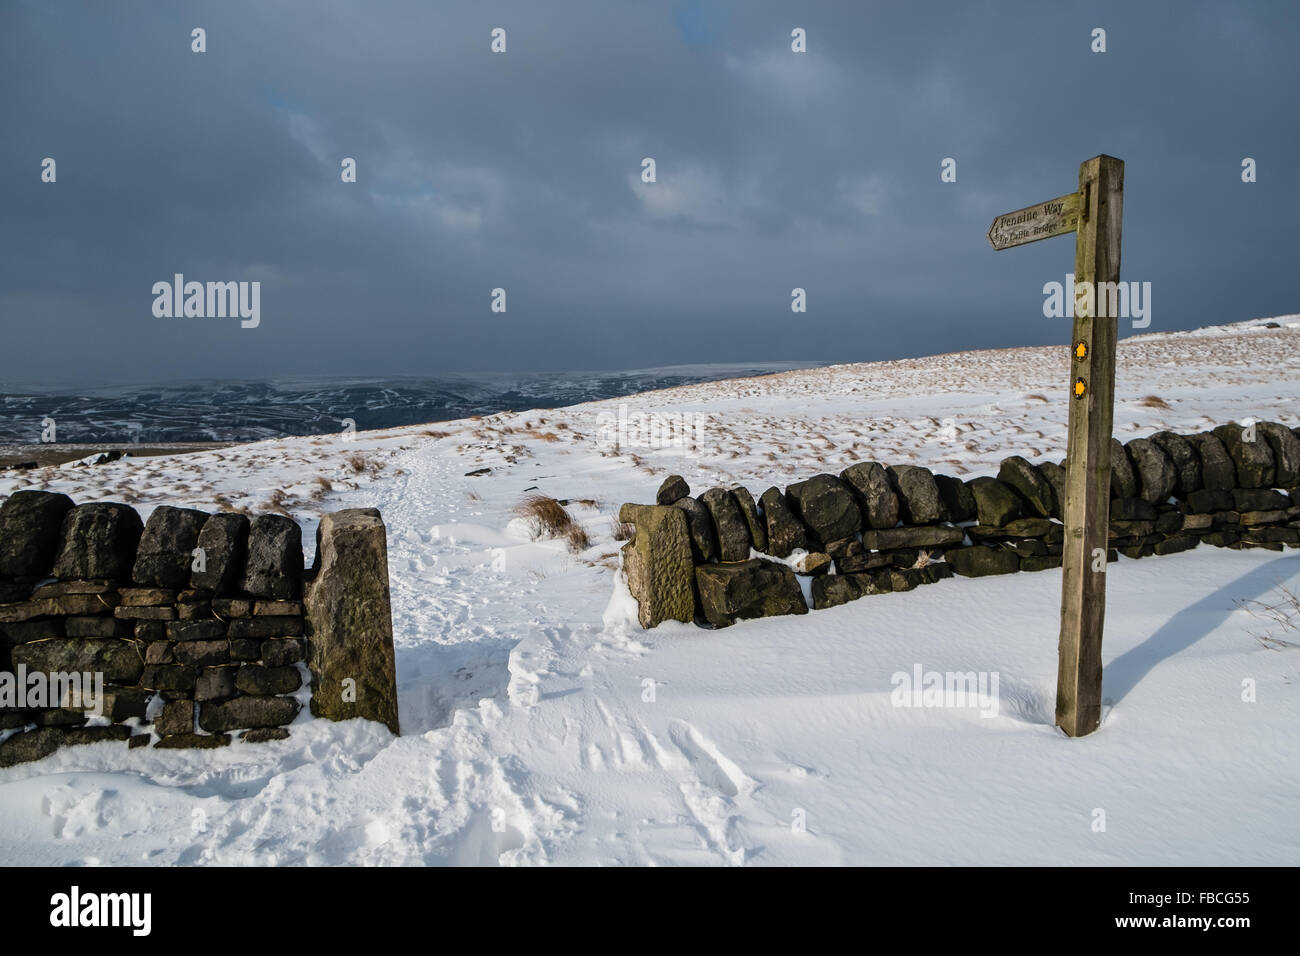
542, 726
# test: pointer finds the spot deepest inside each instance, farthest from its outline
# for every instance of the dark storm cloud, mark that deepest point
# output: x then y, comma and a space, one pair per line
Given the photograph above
521, 170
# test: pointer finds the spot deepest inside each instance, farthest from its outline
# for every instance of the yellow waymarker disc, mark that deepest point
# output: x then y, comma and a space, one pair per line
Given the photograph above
1079, 388
1080, 351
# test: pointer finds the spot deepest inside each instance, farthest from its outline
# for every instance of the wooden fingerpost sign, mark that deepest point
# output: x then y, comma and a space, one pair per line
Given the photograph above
1094, 215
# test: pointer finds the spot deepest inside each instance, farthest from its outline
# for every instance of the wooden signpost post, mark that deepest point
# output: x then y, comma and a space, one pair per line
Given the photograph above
1094, 215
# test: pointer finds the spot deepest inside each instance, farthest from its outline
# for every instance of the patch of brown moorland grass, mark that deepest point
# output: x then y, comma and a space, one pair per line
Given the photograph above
547, 518
225, 504
1153, 401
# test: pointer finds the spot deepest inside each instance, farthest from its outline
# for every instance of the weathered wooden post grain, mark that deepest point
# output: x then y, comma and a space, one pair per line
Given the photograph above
1094, 214
1087, 472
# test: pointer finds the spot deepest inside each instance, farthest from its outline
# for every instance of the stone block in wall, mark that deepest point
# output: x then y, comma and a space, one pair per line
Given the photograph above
996, 503
1253, 460
1130, 529
1221, 539
673, 489
1175, 543
1054, 475
904, 557
978, 560
57, 717
36, 744
1035, 528
145, 613
159, 652
748, 589
30, 525
248, 712
1218, 473
22, 611
1254, 519
856, 563
260, 679
280, 652
223, 540
1206, 500
150, 630
1257, 537
845, 547
194, 611
232, 607
877, 498
658, 565
261, 627
1168, 522
215, 683
918, 495
118, 661
350, 619
826, 505
98, 540
170, 678
75, 587
958, 502
1123, 479
124, 703
1186, 462
1156, 474
704, 540
1286, 452
753, 520
39, 629
1035, 490
245, 649
274, 566
1225, 519
1132, 509
728, 524
833, 590
785, 532
209, 630
201, 653
193, 741
1136, 547
937, 571
146, 596
925, 536
277, 609
263, 734
176, 717
906, 579
1258, 499
1045, 562
167, 547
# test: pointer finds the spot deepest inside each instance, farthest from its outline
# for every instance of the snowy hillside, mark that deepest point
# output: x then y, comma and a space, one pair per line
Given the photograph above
541, 725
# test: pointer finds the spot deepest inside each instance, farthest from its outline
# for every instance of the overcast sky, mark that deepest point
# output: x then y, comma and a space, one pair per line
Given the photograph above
522, 170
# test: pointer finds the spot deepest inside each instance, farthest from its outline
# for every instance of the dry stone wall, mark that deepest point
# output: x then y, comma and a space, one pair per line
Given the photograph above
876, 529
185, 629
